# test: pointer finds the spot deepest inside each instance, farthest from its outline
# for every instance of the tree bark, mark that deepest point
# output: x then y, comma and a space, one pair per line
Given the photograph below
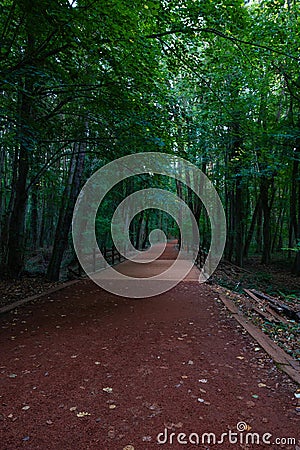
66, 212
296, 268
252, 227
266, 202
16, 228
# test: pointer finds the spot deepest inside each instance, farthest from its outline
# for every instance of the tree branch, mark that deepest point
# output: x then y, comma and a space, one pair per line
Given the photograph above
222, 35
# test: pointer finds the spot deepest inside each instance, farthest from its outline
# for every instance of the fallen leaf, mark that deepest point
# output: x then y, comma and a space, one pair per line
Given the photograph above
129, 447
83, 414
240, 357
97, 363
203, 380
49, 422
107, 389
25, 408
261, 385
73, 408
12, 375
112, 406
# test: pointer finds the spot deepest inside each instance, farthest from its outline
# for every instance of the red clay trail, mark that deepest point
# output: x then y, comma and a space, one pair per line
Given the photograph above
84, 369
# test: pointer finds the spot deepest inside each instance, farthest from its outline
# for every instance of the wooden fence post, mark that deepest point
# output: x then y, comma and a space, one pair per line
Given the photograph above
94, 260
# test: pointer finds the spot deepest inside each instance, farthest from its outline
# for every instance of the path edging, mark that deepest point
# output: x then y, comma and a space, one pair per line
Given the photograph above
282, 359
18, 303
61, 286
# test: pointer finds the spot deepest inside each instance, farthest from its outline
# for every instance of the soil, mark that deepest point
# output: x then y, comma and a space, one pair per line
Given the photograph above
85, 369
12, 290
275, 280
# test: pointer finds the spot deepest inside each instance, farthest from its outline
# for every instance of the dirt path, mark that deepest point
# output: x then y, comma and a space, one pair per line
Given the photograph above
174, 362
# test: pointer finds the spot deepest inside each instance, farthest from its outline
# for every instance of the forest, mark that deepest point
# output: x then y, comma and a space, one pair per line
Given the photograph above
85, 82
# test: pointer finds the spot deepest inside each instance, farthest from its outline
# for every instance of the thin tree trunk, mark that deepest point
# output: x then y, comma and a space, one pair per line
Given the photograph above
293, 204
258, 236
140, 231
296, 267
34, 218
252, 227
146, 233
266, 208
239, 217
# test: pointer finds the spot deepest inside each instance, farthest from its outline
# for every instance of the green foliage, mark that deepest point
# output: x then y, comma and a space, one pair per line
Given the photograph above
215, 82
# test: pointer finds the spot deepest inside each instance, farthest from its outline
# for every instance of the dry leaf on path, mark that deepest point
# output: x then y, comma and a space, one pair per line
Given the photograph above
107, 389
83, 414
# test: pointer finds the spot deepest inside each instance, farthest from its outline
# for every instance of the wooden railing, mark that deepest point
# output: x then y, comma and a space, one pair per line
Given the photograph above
113, 256
201, 257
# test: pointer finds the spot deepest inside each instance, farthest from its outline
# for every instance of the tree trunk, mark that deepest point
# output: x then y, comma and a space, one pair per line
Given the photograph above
179, 190
258, 236
66, 212
296, 268
16, 233
140, 231
252, 227
239, 218
146, 233
266, 209
293, 204
34, 218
